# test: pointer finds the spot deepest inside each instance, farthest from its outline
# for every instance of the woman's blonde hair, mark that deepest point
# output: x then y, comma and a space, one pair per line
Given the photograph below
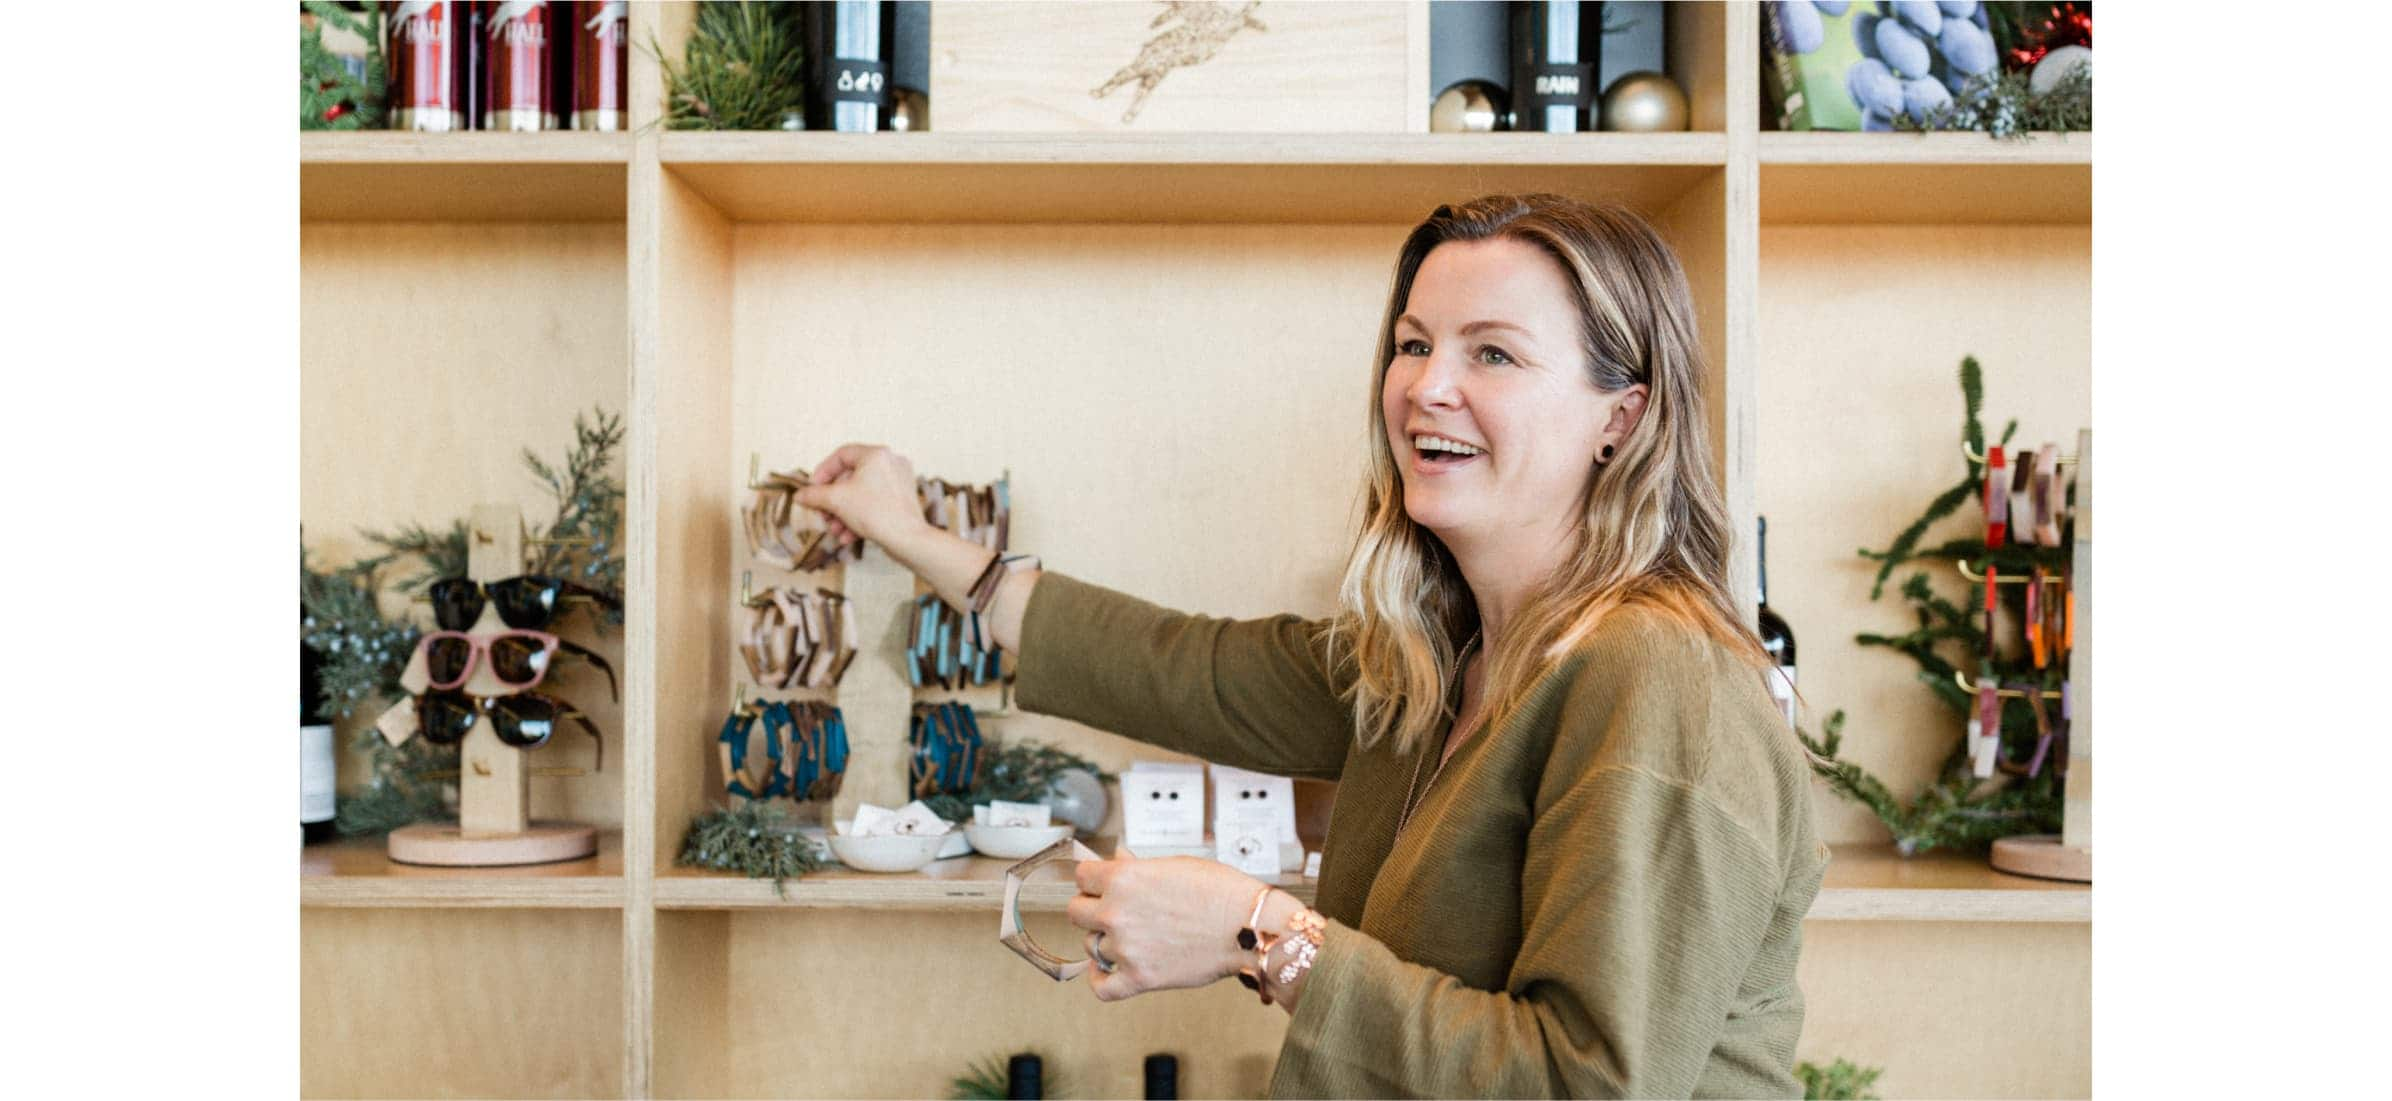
1654, 527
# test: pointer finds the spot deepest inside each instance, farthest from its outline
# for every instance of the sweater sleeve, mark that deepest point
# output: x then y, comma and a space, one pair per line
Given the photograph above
1643, 905
1254, 694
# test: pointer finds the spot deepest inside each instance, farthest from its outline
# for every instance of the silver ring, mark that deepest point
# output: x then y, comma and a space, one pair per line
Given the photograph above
1096, 954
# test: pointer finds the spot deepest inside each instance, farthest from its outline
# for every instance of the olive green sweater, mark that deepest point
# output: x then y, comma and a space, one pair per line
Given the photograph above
1604, 898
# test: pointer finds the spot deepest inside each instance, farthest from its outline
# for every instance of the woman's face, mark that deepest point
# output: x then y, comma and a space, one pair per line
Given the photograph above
1487, 354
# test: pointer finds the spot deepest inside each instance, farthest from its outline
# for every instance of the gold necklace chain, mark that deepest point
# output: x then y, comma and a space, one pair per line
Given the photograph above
1414, 794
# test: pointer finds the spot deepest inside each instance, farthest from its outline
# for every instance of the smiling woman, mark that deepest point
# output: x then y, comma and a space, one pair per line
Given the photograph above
1572, 844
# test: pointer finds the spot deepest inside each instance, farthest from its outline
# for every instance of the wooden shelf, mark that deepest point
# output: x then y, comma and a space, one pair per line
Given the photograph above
1865, 883
961, 883
358, 873
395, 176
1938, 179
1874, 883
1174, 178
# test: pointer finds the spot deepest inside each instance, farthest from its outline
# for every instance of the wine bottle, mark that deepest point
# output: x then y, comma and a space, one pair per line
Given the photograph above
315, 751
425, 55
848, 45
1554, 46
518, 86
601, 74
1162, 1078
1023, 1074
1776, 637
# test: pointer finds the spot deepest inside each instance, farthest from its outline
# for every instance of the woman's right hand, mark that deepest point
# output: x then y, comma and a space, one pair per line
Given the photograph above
865, 491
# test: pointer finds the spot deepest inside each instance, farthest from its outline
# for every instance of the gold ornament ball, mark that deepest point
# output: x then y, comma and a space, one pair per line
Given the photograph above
1645, 103
908, 110
1470, 107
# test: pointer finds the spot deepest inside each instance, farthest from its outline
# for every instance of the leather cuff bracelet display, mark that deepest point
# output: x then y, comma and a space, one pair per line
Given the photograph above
813, 766
945, 648
798, 640
1009, 920
767, 518
982, 514
945, 750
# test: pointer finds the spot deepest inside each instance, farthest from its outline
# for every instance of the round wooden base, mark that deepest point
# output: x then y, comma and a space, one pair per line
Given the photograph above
447, 846
2042, 856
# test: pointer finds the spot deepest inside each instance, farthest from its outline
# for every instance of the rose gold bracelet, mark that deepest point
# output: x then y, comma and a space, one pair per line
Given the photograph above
1306, 928
1253, 939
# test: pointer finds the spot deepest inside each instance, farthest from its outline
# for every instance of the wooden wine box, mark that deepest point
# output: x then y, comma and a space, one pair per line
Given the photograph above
1245, 67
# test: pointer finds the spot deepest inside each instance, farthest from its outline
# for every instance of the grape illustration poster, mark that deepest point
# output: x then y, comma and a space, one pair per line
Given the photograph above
1856, 64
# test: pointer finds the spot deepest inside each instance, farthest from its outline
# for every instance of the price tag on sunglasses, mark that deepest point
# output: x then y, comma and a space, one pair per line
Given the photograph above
399, 723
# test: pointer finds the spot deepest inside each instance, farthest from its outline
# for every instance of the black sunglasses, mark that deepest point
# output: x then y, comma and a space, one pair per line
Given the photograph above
528, 602
524, 720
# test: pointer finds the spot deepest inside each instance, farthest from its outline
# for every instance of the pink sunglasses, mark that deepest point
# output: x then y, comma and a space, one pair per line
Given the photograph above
518, 658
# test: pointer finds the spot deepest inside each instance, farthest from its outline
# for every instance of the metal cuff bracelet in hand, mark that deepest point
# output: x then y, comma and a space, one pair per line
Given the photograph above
1009, 920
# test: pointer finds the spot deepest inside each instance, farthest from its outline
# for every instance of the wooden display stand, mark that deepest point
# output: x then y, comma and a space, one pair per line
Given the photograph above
2069, 856
493, 779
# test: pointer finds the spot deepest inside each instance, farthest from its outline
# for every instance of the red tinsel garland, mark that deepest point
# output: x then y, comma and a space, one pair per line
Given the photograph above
2063, 24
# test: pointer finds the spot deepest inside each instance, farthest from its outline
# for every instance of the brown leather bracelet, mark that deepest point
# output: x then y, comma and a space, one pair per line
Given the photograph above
982, 591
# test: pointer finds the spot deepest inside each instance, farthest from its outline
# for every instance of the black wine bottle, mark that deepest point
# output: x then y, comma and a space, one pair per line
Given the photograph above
1023, 1074
1776, 637
1162, 1078
1554, 46
315, 751
848, 47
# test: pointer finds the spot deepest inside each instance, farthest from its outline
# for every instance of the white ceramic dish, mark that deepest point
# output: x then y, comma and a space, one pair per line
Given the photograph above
891, 853
1014, 842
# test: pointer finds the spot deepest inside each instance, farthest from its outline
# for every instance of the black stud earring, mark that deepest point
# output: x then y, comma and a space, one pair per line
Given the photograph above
1604, 455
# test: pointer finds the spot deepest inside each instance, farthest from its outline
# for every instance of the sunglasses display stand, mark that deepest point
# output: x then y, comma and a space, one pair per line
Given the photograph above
494, 825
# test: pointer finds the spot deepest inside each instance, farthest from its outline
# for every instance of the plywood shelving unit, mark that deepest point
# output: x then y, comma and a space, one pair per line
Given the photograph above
1151, 332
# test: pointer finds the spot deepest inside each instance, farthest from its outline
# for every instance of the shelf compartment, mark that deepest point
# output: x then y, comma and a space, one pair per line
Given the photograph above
386, 176
357, 872
1175, 178
1875, 883
461, 1003
1864, 883
1918, 179
966, 883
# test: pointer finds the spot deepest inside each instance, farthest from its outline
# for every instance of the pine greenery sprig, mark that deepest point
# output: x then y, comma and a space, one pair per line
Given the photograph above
1956, 810
1014, 772
755, 840
439, 553
324, 77
1972, 391
1842, 1080
742, 69
2003, 105
991, 1079
341, 620
581, 544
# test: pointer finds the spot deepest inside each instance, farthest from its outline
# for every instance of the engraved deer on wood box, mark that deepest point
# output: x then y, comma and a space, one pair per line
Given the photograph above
1180, 65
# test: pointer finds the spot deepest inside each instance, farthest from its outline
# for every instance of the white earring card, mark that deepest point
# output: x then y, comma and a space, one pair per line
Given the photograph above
1162, 805
1242, 798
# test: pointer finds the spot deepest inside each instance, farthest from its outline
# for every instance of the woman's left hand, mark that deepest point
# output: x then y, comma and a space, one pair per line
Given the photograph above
1165, 923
